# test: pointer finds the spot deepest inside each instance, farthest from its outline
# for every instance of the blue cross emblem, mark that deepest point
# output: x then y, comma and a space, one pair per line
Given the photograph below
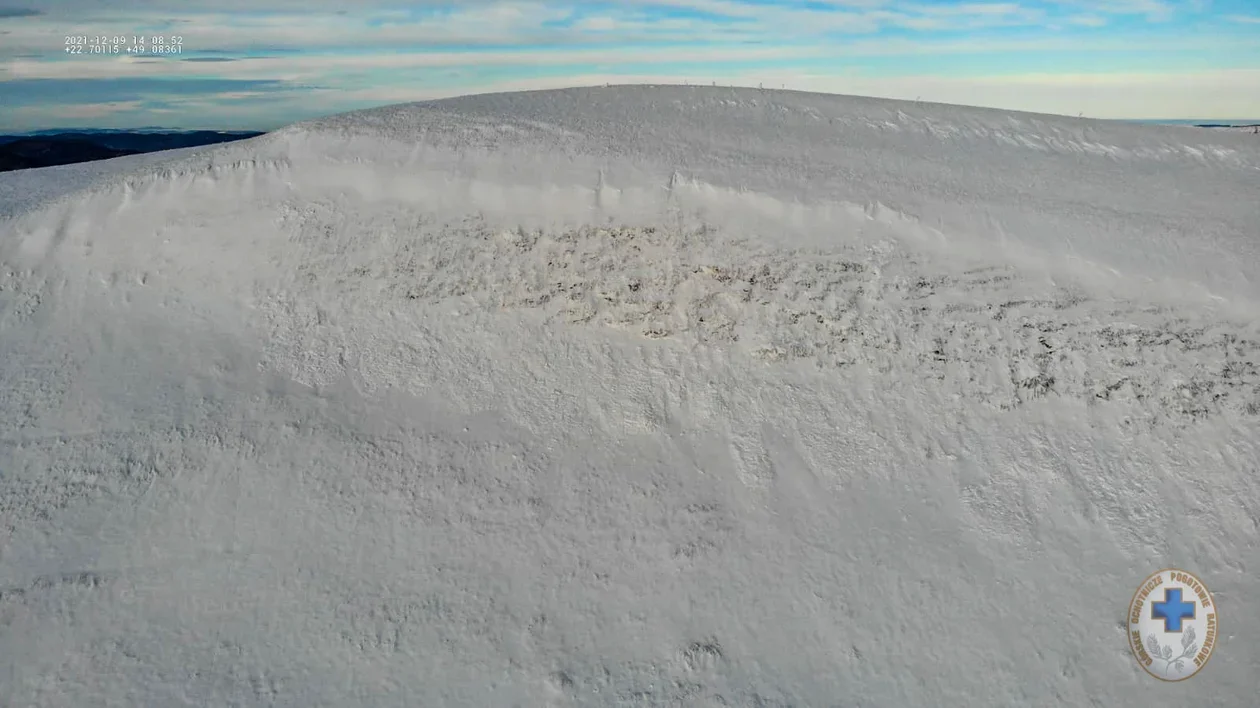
1172, 610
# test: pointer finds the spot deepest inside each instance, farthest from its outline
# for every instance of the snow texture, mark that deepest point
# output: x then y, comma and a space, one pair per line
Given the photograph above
634, 396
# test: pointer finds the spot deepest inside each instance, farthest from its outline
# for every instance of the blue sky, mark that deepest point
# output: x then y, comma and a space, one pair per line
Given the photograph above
259, 64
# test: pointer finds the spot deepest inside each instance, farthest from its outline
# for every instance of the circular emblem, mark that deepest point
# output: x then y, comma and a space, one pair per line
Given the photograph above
1172, 625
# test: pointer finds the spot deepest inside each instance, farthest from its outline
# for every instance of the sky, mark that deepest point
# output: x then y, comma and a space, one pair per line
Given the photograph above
261, 64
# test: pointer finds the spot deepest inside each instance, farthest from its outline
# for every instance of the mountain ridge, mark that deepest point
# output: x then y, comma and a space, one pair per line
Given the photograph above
55, 148
628, 397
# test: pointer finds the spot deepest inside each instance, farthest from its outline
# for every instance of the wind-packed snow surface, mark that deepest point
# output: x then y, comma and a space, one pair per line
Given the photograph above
632, 396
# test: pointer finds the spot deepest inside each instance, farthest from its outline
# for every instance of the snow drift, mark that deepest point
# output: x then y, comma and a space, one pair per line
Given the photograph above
630, 396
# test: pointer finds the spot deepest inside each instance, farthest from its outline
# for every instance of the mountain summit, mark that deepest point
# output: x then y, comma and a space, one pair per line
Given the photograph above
629, 396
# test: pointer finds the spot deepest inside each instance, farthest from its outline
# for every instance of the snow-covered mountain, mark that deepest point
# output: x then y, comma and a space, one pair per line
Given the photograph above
630, 396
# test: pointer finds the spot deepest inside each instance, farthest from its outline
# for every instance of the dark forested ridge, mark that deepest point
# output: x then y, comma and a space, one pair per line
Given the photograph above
20, 152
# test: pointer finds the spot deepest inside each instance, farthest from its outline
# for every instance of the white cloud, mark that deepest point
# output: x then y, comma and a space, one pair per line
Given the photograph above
76, 111
1157, 10
1245, 19
313, 28
306, 68
1223, 93
597, 24
723, 8
1087, 21
323, 68
316, 24
970, 8
1234, 93
96, 110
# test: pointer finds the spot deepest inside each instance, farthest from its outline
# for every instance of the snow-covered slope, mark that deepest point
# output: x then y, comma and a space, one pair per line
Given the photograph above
633, 396
25, 190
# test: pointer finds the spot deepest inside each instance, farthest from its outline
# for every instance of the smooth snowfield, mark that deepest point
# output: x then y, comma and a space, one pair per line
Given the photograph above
632, 396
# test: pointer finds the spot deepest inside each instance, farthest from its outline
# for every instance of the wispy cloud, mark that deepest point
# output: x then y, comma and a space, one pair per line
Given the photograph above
335, 58
69, 115
1087, 21
1118, 95
302, 68
98, 110
320, 25
1157, 10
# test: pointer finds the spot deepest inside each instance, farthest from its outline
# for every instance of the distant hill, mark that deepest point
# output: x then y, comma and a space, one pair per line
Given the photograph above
26, 153
44, 149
